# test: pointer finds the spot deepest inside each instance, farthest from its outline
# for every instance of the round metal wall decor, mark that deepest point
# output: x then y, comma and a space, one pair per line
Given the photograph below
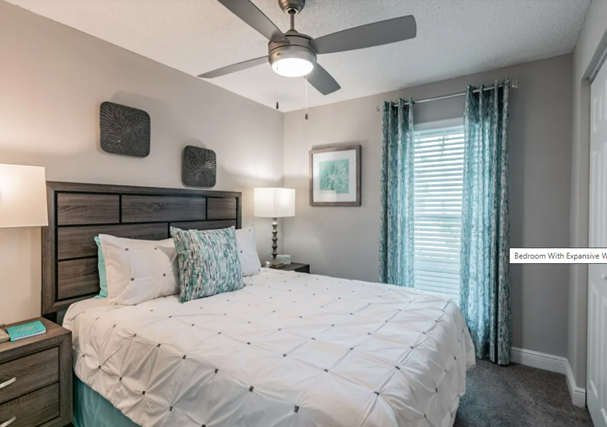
199, 168
124, 130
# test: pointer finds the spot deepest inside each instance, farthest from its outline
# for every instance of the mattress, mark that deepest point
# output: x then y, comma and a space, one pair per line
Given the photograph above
289, 349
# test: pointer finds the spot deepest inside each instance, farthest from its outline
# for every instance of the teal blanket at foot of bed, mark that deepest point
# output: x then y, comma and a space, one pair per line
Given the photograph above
93, 410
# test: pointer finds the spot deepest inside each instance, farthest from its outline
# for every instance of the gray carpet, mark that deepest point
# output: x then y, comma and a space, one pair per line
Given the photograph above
517, 396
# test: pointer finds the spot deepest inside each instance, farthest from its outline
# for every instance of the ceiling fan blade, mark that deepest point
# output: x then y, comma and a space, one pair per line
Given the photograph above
235, 67
376, 34
322, 80
250, 14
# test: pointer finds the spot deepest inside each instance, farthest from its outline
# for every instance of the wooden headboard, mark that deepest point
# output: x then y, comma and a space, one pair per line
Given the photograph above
79, 212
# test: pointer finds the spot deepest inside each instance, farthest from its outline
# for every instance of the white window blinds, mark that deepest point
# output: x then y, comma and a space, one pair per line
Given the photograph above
439, 167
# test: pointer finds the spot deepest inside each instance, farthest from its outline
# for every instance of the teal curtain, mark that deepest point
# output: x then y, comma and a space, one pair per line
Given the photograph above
485, 279
396, 234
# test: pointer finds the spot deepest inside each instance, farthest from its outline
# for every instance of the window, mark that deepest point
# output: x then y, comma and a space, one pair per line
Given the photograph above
439, 172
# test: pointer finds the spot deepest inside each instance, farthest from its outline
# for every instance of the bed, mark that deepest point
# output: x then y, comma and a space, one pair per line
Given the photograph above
290, 349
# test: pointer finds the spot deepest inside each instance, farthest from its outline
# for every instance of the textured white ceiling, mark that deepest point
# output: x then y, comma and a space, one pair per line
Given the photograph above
454, 38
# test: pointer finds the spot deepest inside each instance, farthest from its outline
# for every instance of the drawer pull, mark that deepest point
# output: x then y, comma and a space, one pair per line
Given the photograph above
9, 422
6, 384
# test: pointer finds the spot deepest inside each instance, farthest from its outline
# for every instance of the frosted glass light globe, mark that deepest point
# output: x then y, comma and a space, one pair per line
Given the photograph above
292, 67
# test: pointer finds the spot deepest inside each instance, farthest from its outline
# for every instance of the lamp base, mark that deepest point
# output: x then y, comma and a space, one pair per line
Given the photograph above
275, 263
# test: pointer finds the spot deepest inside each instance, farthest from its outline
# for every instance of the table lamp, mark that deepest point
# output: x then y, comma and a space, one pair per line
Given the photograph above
22, 199
274, 203
22, 196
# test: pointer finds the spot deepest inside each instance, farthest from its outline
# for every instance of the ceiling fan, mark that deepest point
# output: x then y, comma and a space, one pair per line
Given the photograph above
293, 54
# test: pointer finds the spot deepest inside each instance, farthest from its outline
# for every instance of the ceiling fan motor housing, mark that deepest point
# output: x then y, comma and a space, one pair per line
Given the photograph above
292, 6
300, 47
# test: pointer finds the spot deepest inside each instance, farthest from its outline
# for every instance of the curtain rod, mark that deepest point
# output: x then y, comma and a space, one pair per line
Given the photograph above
513, 85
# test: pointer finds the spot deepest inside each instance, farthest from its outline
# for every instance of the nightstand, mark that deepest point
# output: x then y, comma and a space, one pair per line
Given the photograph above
300, 268
36, 379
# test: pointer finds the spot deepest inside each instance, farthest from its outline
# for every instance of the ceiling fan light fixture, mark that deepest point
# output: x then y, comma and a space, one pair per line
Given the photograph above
296, 59
292, 67
293, 54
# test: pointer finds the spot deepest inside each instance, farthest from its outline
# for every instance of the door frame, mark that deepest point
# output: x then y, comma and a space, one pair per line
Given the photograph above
599, 60
577, 357
596, 336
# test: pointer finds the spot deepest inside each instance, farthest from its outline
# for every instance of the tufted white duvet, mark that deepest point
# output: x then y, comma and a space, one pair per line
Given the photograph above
288, 350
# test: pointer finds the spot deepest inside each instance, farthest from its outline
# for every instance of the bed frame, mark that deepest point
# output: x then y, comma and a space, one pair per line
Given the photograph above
79, 212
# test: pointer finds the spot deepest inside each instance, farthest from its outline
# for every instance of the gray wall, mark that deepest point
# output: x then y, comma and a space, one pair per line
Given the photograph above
589, 49
52, 80
344, 242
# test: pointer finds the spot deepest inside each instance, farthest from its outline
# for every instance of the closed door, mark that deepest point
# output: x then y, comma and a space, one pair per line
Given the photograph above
597, 273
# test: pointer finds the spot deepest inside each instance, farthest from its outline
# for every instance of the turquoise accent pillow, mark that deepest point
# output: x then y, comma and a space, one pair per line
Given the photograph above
101, 268
209, 263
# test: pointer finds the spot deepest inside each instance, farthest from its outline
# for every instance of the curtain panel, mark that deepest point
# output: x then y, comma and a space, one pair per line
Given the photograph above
485, 276
396, 257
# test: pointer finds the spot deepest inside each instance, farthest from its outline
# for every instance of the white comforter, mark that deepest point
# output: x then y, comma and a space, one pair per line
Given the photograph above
289, 349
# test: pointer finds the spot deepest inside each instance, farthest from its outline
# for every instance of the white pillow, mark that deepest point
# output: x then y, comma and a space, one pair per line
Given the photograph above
247, 250
139, 270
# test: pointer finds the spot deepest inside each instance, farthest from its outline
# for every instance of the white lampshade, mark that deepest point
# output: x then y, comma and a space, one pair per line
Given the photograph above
274, 202
22, 196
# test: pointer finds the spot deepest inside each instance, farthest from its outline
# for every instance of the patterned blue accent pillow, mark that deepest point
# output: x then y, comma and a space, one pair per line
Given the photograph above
208, 262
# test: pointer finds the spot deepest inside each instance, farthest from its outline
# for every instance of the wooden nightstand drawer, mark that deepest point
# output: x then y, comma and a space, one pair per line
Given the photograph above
29, 373
36, 374
33, 409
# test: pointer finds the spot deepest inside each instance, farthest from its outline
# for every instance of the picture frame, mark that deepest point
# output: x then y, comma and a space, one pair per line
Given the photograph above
335, 176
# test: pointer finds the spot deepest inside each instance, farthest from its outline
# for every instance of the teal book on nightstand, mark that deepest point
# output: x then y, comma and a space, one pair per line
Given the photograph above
26, 331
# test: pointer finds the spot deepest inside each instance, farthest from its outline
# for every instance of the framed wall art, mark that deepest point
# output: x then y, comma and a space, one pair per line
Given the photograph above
335, 176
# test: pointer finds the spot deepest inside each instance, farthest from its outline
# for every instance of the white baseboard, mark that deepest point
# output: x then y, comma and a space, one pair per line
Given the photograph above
535, 359
551, 363
578, 394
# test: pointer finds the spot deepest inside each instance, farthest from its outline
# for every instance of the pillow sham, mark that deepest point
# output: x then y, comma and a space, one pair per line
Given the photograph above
247, 251
208, 262
101, 268
139, 270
